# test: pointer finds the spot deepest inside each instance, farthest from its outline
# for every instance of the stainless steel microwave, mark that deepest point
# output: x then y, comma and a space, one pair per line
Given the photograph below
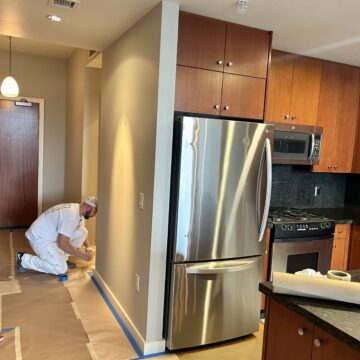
296, 144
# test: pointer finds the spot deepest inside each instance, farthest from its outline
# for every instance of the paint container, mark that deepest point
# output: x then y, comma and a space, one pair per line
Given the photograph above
63, 277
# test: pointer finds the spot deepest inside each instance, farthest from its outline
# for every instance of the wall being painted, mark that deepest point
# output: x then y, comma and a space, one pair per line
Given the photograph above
137, 92
45, 78
74, 124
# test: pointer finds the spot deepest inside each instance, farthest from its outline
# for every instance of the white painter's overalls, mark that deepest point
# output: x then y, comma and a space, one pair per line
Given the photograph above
50, 258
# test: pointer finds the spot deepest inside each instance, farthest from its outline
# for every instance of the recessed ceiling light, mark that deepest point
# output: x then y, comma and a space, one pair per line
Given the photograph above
53, 18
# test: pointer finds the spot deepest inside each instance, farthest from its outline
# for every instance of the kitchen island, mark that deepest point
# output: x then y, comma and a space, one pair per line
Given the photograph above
306, 328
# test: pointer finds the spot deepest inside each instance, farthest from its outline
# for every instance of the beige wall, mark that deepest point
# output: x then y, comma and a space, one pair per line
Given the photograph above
45, 78
91, 141
135, 131
74, 124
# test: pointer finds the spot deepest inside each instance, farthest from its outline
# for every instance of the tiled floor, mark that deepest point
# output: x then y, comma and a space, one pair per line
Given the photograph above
44, 319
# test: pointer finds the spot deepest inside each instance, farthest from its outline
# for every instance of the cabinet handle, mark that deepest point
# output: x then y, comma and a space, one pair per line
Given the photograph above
286, 116
219, 62
329, 166
293, 117
339, 231
335, 166
334, 246
227, 107
301, 331
230, 63
317, 342
217, 107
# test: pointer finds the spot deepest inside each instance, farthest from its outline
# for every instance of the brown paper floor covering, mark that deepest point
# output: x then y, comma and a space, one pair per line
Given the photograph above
45, 319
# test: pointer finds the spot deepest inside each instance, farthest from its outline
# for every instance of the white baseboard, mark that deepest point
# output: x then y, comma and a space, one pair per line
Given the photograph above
147, 348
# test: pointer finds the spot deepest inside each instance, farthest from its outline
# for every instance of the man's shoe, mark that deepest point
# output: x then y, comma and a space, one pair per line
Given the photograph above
19, 256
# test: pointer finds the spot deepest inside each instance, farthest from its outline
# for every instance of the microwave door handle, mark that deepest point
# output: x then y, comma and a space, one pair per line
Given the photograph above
312, 146
268, 189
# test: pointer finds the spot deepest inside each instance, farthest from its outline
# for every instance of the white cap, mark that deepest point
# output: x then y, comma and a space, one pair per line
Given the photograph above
92, 201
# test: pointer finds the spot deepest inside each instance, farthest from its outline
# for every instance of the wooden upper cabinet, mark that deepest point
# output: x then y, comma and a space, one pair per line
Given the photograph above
278, 95
305, 90
201, 42
346, 124
246, 51
293, 89
198, 90
328, 104
243, 96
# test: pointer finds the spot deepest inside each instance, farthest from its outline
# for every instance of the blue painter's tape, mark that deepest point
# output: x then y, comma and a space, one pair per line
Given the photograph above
7, 329
122, 324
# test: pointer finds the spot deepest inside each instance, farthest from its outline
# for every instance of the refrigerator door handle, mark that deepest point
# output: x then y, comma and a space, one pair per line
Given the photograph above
216, 269
268, 189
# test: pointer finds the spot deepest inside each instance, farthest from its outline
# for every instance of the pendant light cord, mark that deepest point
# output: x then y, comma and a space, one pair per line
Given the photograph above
10, 57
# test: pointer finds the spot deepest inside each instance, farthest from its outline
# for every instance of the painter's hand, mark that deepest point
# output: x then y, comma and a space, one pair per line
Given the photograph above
87, 256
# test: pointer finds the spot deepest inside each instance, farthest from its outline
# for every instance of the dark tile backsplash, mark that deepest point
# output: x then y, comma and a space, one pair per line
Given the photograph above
294, 186
353, 190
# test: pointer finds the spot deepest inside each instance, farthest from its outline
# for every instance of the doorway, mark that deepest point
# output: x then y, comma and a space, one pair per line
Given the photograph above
20, 161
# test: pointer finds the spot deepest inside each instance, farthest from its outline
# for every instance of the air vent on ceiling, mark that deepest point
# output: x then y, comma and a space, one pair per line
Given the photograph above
68, 4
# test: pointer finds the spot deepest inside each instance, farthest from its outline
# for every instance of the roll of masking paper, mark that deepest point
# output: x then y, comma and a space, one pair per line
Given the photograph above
316, 287
338, 275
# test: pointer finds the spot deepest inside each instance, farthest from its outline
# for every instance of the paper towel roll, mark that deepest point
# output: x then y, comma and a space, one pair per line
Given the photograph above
316, 287
338, 275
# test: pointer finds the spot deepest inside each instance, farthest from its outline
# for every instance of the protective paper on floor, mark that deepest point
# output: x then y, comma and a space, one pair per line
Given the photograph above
7, 345
5, 256
58, 320
315, 287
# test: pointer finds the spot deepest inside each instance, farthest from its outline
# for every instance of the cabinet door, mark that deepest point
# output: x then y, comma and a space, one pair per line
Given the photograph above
201, 42
243, 96
197, 90
246, 51
329, 348
278, 92
338, 254
265, 266
283, 334
354, 251
346, 124
305, 90
328, 105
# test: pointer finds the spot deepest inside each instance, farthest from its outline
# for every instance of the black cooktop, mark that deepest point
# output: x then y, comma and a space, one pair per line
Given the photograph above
292, 215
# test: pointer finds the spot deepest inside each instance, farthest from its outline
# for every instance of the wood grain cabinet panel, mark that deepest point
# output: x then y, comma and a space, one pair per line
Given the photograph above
340, 253
207, 48
354, 251
201, 42
338, 116
293, 89
197, 90
243, 96
247, 51
329, 348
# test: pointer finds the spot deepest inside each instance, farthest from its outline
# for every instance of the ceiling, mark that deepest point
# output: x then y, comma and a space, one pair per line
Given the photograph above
328, 29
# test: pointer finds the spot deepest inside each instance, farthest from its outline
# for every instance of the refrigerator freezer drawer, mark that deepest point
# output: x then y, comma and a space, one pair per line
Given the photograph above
213, 301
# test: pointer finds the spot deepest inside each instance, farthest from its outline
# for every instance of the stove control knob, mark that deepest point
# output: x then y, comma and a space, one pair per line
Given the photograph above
327, 225
323, 226
290, 227
284, 227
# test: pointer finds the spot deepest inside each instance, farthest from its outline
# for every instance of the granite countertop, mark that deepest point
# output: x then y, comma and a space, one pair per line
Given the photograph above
340, 319
343, 215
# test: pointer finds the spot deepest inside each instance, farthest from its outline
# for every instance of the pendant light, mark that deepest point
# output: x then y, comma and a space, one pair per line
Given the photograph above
9, 86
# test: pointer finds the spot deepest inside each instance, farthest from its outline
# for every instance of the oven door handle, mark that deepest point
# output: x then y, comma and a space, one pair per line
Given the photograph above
267, 147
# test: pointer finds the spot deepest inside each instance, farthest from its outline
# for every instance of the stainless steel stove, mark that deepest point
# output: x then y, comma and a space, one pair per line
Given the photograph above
300, 239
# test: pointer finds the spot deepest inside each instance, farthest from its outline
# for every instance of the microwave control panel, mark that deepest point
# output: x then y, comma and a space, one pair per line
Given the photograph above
316, 151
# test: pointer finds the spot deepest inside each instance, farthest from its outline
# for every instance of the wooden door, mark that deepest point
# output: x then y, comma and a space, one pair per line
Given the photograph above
340, 247
329, 348
283, 334
305, 90
278, 94
198, 90
246, 51
19, 152
201, 42
328, 105
243, 97
346, 124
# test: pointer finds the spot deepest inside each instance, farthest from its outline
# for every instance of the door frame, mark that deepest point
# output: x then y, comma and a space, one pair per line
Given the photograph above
40, 143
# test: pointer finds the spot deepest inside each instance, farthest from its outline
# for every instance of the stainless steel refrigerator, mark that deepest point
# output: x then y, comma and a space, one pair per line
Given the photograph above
220, 196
